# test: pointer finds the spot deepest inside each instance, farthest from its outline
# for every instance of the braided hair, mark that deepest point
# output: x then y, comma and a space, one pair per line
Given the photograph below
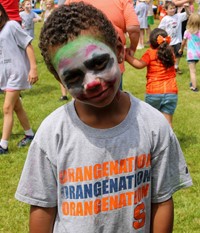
165, 53
68, 22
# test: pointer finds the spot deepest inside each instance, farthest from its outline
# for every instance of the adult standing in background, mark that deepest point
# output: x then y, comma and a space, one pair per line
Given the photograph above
12, 9
123, 17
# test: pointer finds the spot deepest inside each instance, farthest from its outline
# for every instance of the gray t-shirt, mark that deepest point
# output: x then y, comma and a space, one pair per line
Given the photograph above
103, 180
27, 22
14, 63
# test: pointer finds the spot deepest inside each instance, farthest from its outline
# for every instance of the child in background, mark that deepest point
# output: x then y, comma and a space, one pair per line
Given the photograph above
141, 10
171, 23
192, 39
105, 157
150, 18
49, 8
161, 87
162, 11
29, 18
42, 7
17, 72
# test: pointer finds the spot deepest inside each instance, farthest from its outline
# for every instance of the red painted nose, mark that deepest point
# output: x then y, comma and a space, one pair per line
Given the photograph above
92, 84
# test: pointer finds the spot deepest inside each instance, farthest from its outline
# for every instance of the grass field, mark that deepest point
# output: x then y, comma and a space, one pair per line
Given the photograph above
43, 99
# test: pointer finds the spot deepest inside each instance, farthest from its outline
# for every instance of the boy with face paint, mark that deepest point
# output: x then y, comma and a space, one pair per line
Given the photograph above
106, 161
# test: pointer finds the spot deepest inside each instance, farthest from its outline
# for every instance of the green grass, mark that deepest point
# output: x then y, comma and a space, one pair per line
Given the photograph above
43, 99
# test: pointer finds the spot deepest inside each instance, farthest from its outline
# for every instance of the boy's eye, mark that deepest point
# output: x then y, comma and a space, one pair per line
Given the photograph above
71, 77
98, 63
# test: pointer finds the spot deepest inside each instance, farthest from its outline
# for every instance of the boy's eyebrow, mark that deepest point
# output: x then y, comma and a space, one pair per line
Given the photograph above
71, 48
89, 63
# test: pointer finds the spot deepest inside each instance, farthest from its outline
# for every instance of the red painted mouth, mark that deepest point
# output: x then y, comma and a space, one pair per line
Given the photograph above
97, 92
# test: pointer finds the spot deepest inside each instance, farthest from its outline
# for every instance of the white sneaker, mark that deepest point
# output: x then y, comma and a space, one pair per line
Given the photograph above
140, 46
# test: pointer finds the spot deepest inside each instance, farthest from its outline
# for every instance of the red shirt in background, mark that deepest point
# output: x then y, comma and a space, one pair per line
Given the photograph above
12, 9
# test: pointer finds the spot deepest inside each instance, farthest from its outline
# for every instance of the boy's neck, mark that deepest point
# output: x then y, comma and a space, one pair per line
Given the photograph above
107, 117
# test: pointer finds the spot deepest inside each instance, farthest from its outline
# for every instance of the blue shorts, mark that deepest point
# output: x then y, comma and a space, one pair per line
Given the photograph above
165, 103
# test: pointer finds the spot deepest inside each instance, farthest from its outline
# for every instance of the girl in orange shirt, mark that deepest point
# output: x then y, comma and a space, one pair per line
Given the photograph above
161, 87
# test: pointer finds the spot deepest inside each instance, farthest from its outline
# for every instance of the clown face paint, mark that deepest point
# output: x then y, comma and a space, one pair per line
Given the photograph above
89, 69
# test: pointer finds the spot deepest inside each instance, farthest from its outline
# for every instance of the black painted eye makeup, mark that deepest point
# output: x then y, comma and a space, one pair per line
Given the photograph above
72, 76
98, 62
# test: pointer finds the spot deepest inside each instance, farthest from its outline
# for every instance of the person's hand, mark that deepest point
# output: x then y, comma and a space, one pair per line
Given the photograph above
129, 53
33, 76
180, 52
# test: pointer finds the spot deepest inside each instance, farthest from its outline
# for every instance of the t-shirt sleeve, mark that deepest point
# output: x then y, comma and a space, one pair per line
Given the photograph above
169, 171
130, 14
146, 57
36, 16
38, 182
186, 35
162, 24
21, 37
183, 16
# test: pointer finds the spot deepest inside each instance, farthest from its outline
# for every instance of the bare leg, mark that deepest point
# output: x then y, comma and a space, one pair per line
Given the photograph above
168, 117
64, 93
21, 115
63, 90
148, 31
177, 60
192, 67
8, 109
142, 37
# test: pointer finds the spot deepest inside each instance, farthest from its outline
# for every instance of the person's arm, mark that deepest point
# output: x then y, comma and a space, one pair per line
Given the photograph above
184, 41
162, 217
37, 18
181, 2
42, 219
134, 35
33, 75
139, 64
132, 25
187, 9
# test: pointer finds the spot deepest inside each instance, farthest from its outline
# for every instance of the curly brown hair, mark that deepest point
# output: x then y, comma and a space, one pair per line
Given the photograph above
68, 22
4, 17
165, 53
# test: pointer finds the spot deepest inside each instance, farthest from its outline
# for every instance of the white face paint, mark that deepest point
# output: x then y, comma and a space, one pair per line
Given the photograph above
89, 69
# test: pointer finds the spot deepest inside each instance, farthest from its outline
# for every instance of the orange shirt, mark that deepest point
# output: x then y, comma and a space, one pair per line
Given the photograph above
159, 79
163, 13
120, 12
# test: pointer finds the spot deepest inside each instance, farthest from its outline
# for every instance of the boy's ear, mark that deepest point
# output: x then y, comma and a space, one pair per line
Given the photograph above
120, 51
